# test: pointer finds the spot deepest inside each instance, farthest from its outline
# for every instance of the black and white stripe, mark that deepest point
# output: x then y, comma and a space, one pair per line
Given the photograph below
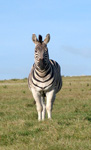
44, 77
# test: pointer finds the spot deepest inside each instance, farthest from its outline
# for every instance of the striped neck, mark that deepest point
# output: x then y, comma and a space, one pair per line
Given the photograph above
44, 72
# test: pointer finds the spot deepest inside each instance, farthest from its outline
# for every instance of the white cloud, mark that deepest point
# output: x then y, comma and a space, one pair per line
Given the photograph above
84, 52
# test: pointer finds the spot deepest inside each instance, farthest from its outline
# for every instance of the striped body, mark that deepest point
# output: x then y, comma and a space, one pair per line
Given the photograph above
47, 80
44, 79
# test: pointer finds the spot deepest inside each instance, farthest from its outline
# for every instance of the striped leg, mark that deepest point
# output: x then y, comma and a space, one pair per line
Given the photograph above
39, 107
50, 99
44, 108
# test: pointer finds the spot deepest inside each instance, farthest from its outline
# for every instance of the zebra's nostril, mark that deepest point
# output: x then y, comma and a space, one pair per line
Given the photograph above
41, 60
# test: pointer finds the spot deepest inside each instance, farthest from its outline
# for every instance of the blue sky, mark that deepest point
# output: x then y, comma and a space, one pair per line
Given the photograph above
69, 24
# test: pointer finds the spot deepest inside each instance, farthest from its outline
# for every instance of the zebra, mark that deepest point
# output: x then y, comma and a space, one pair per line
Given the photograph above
45, 78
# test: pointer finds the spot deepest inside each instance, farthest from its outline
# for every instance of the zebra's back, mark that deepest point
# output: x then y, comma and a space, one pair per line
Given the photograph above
57, 75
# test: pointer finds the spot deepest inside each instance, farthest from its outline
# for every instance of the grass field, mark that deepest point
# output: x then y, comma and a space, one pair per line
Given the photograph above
70, 128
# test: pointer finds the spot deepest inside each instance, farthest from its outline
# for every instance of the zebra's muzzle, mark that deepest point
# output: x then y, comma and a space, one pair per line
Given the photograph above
41, 64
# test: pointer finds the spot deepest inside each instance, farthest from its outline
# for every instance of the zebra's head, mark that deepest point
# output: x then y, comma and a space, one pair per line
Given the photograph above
41, 51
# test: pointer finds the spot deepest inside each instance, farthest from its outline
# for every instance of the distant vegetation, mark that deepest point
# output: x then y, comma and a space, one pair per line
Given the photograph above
14, 80
70, 128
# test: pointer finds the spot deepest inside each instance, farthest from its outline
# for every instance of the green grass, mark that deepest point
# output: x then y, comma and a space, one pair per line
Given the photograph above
69, 129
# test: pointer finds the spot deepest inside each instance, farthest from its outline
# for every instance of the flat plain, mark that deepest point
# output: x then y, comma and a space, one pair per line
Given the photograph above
69, 129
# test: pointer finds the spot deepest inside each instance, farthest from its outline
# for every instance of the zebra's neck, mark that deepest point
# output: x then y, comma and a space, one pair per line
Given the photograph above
43, 72
43, 80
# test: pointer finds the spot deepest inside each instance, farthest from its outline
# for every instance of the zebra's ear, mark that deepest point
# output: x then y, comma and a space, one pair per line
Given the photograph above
34, 38
47, 38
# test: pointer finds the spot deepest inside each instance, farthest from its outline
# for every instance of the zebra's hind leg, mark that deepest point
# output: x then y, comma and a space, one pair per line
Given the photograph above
49, 104
44, 107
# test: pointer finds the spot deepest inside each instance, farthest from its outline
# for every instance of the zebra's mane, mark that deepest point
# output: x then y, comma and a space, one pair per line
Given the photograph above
40, 39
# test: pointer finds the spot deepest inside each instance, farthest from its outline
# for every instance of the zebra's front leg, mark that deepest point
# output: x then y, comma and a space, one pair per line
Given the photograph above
44, 107
39, 107
49, 104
